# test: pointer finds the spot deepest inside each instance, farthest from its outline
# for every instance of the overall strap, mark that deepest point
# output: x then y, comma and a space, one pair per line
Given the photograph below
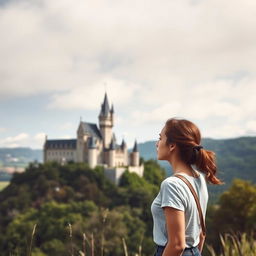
197, 202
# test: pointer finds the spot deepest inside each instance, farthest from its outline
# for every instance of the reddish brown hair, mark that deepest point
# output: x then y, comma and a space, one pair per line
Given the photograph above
187, 136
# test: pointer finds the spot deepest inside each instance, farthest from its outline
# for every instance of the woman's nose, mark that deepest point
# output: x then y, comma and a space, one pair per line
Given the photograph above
157, 144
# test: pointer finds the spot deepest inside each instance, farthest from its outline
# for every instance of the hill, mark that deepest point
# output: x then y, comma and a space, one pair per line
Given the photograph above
56, 197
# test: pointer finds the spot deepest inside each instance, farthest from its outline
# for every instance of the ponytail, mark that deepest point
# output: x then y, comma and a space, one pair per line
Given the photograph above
206, 163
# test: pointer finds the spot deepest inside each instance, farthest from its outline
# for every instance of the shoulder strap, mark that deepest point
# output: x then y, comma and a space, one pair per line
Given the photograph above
197, 202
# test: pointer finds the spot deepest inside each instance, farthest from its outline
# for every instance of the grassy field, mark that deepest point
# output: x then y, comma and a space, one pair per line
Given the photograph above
3, 184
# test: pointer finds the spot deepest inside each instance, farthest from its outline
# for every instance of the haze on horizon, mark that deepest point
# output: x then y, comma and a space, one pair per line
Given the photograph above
185, 58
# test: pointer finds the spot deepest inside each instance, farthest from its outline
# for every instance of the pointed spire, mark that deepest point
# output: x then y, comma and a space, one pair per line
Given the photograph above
105, 106
123, 145
112, 109
135, 147
112, 144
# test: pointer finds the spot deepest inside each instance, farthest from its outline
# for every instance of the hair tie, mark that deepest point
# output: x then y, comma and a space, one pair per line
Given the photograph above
198, 147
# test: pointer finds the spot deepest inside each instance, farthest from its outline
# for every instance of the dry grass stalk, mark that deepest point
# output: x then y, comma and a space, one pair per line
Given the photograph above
92, 245
104, 217
84, 248
71, 239
140, 245
125, 247
31, 240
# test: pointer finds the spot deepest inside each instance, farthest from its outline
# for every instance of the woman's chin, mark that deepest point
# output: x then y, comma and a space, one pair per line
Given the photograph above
159, 157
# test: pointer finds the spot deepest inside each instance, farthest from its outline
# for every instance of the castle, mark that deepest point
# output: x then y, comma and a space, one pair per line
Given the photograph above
96, 146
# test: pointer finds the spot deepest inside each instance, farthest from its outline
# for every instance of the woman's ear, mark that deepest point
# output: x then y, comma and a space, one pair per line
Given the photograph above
172, 146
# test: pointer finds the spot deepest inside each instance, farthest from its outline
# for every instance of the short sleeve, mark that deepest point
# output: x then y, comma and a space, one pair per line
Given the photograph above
171, 196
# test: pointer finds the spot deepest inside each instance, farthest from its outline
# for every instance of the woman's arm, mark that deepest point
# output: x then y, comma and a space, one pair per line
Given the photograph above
175, 224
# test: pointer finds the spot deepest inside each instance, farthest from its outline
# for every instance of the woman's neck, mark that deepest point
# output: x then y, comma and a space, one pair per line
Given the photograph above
179, 166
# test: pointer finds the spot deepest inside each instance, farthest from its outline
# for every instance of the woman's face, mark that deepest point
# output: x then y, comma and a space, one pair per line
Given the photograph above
161, 147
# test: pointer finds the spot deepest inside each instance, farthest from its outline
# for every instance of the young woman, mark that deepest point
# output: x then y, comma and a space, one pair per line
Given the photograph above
177, 229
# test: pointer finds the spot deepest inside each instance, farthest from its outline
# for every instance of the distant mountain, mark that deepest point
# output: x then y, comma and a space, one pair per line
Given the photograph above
19, 157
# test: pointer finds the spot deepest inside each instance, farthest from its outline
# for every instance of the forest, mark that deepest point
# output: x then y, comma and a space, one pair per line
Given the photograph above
53, 209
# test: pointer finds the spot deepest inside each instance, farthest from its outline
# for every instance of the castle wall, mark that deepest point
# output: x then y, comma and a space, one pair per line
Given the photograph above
60, 155
92, 157
134, 159
137, 169
100, 154
81, 146
112, 158
114, 174
120, 158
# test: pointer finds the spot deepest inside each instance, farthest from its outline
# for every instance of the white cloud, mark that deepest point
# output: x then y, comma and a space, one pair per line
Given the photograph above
250, 127
59, 45
90, 96
177, 58
15, 140
23, 140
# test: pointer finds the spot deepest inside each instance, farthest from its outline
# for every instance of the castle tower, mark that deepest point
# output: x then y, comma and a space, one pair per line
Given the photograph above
45, 156
134, 156
106, 122
112, 150
92, 152
125, 150
80, 143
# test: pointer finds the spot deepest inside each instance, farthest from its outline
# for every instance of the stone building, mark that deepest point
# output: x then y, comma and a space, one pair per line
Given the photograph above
96, 146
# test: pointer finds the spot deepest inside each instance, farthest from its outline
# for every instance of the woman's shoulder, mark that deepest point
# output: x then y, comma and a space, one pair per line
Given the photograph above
171, 181
177, 182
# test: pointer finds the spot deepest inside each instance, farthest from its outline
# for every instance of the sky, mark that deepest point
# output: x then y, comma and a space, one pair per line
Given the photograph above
193, 59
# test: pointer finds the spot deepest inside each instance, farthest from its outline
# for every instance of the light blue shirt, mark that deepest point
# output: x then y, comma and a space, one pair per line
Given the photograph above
175, 193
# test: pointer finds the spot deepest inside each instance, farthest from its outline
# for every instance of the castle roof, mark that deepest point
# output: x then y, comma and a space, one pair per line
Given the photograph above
105, 106
123, 145
113, 143
60, 144
92, 129
135, 147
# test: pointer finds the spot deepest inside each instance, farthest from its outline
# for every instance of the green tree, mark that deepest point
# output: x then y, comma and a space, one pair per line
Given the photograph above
235, 207
235, 213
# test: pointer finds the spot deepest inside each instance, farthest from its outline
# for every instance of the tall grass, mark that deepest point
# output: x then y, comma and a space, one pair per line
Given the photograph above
91, 243
235, 245
231, 244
